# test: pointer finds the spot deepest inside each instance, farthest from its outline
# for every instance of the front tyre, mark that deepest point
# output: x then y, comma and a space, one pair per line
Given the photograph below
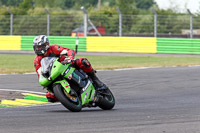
71, 102
106, 99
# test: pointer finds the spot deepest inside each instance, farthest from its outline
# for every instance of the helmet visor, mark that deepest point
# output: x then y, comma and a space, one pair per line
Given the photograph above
40, 49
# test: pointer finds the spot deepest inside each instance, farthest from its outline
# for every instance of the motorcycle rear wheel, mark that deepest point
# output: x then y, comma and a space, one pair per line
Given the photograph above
107, 100
64, 99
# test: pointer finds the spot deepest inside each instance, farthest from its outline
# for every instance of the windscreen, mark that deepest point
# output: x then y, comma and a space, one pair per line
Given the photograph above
46, 63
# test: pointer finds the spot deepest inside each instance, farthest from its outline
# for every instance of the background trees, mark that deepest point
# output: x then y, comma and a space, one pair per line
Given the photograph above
137, 16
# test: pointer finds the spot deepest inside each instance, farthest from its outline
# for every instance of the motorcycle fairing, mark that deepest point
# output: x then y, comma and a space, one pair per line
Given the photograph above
87, 94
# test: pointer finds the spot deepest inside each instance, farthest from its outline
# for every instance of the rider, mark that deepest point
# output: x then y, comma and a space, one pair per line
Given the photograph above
43, 49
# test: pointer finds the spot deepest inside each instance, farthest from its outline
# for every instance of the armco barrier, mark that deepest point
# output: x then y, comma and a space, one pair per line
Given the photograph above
68, 42
121, 44
178, 46
10, 42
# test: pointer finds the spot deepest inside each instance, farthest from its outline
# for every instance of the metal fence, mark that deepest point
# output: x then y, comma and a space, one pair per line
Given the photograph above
182, 26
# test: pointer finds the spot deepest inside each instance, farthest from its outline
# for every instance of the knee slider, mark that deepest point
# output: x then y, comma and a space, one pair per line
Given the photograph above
85, 62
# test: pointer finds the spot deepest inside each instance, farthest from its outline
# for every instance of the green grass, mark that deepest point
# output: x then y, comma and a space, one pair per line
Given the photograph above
24, 63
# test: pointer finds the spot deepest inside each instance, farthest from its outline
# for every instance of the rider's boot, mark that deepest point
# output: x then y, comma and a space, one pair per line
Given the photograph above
51, 97
99, 85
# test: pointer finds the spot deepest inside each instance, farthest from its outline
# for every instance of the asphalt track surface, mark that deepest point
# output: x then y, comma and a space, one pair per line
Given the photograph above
152, 100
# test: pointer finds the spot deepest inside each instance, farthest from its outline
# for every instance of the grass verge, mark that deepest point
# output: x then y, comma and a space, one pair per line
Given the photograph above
24, 63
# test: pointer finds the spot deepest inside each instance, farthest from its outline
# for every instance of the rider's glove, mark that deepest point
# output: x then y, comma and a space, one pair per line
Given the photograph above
67, 60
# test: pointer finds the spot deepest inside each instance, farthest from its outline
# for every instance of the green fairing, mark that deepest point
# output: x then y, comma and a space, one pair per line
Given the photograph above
57, 69
85, 96
64, 84
43, 81
69, 71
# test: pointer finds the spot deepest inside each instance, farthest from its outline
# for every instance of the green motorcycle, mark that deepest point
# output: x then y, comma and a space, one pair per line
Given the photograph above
73, 87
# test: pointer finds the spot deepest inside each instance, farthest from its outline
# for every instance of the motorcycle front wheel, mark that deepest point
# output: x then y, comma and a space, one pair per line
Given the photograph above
71, 102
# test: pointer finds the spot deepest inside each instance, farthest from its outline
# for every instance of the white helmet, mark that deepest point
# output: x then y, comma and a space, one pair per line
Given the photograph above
40, 44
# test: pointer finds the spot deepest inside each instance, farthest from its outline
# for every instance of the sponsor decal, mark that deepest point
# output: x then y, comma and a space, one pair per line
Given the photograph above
85, 96
66, 71
86, 86
70, 77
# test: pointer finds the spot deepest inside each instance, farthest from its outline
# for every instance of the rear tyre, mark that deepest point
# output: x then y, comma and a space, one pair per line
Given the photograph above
106, 99
72, 105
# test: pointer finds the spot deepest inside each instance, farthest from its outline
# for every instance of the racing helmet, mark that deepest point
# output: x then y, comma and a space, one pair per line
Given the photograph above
40, 44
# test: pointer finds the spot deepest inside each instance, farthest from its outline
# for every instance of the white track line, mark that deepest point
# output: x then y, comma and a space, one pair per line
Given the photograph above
25, 91
19, 73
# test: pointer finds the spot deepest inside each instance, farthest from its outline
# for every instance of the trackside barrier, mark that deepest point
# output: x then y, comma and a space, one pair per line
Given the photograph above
69, 42
10, 42
26, 42
178, 46
121, 44
109, 44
